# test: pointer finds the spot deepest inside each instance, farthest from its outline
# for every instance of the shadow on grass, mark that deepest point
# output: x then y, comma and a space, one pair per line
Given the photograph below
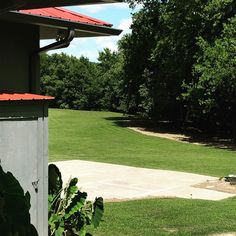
172, 131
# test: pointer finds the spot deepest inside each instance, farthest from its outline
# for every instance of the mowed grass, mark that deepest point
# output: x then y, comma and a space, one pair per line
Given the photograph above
95, 136
168, 217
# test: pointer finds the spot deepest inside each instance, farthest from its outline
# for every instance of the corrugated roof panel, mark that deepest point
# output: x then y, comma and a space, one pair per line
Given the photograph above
23, 97
64, 14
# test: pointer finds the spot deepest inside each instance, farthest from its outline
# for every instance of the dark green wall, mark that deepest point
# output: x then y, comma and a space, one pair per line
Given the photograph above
17, 42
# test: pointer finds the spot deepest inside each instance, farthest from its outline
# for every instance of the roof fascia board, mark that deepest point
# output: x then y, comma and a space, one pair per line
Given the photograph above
59, 24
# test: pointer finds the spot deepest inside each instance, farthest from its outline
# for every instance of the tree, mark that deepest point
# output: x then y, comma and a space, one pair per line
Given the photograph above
212, 94
72, 81
162, 50
81, 84
110, 65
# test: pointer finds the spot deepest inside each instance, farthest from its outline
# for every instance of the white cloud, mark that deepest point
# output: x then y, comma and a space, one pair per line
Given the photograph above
44, 43
120, 5
111, 42
98, 8
125, 24
78, 42
106, 42
92, 9
91, 54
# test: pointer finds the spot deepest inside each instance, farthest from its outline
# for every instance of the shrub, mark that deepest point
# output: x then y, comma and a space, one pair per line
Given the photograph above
69, 212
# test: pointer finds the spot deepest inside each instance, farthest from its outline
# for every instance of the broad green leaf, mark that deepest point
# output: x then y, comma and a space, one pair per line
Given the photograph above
55, 179
98, 211
76, 204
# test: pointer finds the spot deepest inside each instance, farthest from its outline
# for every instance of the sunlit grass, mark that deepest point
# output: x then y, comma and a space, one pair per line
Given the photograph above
168, 217
95, 136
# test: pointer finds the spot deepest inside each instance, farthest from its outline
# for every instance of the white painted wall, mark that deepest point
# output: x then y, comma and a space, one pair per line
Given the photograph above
24, 152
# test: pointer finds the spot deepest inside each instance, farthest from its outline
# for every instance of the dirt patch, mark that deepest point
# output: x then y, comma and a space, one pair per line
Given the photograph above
170, 230
224, 234
113, 200
176, 137
217, 185
180, 137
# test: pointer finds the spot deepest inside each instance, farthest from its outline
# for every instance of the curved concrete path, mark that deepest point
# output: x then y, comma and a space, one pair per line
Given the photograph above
117, 182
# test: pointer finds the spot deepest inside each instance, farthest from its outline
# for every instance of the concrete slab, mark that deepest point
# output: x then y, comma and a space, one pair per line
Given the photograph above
117, 182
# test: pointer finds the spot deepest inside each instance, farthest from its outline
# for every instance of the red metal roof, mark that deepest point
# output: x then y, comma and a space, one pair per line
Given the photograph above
23, 97
64, 14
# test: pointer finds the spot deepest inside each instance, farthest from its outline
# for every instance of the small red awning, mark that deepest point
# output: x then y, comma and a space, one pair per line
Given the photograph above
23, 97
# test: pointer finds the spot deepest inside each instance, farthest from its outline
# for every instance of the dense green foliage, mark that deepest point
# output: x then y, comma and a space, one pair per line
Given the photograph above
178, 64
69, 212
69, 80
186, 60
182, 217
81, 84
213, 94
14, 207
102, 137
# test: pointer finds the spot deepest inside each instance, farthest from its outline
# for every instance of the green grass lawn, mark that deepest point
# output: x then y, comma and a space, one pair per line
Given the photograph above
95, 136
168, 217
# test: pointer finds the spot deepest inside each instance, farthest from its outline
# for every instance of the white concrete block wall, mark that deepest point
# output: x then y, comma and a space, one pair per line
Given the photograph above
24, 152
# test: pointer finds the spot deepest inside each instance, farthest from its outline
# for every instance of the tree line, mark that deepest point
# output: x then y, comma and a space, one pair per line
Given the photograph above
178, 64
77, 83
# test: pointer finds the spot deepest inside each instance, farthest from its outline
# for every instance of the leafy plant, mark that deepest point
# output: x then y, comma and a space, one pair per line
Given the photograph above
69, 212
14, 207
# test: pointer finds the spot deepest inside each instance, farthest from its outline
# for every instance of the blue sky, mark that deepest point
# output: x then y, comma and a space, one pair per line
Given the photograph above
118, 14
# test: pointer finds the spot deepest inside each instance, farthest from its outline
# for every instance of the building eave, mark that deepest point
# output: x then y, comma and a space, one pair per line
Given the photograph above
49, 26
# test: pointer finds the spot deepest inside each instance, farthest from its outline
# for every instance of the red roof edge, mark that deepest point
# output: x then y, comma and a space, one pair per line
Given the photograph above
23, 97
85, 16
65, 14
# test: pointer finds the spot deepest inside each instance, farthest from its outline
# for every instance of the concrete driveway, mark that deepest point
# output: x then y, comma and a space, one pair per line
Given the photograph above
117, 182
